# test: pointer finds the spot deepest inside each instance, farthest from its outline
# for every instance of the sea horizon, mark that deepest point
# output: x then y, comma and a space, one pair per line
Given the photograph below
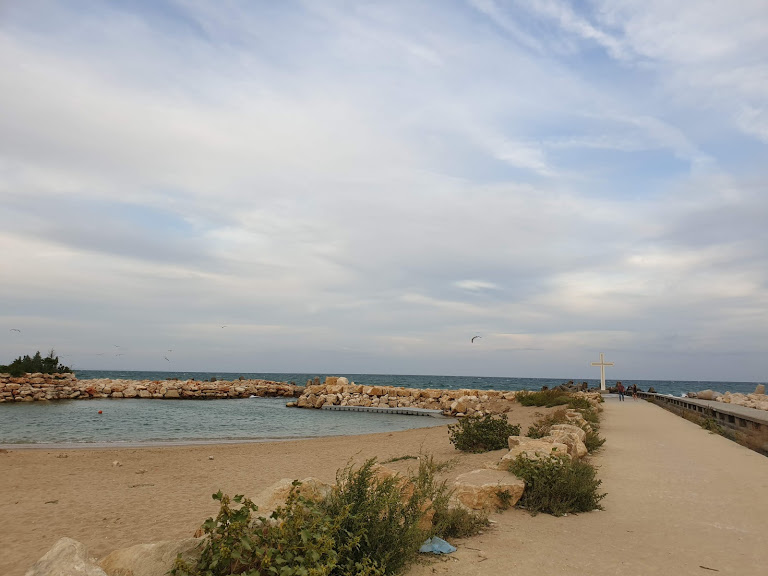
130, 422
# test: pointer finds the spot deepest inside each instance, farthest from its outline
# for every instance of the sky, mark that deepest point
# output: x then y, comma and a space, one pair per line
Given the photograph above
363, 186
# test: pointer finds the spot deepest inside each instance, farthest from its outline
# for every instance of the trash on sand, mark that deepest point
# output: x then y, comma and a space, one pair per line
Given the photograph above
436, 545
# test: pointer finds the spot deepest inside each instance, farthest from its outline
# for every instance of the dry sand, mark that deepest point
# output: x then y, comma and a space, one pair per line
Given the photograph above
680, 501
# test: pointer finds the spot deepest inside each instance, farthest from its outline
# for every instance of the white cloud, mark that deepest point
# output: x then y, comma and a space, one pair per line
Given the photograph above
370, 192
475, 285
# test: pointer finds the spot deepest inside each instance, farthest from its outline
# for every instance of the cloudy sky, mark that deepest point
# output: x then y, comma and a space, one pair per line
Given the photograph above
362, 186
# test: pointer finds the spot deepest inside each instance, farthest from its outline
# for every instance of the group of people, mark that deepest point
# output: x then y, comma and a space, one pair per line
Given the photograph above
621, 390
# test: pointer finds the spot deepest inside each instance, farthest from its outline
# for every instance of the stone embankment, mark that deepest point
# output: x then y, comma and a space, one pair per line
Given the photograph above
31, 387
338, 391
758, 399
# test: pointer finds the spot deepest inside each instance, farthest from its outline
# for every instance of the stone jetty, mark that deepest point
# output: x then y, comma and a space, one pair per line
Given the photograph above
31, 387
338, 391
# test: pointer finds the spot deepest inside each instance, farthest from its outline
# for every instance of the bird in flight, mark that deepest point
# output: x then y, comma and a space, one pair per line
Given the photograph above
473, 338
224, 326
166, 357
15, 330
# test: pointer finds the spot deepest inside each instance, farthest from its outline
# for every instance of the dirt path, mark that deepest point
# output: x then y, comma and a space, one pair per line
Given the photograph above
680, 501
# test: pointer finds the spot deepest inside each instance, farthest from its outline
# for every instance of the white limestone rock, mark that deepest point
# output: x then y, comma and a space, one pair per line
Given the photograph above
67, 557
479, 489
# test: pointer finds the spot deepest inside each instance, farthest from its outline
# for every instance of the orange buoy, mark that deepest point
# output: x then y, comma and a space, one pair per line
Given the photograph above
99, 411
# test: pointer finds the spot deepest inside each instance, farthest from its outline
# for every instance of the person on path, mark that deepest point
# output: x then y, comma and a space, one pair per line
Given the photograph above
634, 391
620, 389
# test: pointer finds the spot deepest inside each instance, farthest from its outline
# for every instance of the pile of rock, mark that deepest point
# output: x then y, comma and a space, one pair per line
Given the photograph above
338, 391
757, 399
31, 387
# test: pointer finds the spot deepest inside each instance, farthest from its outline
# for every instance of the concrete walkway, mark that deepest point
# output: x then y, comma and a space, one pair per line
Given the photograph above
680, 501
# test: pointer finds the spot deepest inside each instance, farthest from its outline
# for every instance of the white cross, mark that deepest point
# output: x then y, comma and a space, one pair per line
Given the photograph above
602, 365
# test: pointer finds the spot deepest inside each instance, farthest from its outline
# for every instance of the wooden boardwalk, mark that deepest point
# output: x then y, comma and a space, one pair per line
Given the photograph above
387, 410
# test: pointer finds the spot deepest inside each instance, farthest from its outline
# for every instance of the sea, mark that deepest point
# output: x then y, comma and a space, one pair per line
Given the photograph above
135, 422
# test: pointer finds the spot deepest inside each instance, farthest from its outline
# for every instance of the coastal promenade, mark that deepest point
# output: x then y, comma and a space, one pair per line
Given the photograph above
680, 501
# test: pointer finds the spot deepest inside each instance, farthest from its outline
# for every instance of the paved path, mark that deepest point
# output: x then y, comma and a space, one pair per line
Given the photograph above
680, 501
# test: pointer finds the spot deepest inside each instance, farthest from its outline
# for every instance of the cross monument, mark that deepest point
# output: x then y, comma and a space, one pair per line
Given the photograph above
602, 365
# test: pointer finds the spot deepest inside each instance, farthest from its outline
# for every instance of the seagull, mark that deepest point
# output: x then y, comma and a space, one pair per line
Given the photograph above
170, 350
223, 326
15, 330
166, 357
473, 338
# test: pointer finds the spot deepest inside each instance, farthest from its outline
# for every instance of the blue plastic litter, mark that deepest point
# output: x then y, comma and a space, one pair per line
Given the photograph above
436, 545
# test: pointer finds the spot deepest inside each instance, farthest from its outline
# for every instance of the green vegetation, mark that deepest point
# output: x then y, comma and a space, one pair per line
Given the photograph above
370, 525
399, 458
542, 426
557, 485
550, 398
593, 441
472, 434
48, 365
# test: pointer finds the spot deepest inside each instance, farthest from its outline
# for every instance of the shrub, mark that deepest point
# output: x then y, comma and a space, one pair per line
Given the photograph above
557, 485
550, 398
472, 434
297, 540
447, 522
593, 441
380, 517
368, 526
542, 426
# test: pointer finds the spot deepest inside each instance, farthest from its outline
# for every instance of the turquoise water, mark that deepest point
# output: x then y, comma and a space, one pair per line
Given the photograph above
127, 421
152, 421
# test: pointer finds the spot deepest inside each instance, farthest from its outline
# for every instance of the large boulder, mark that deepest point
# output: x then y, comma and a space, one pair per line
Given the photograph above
277, 494
576, 448
480, 489
760, 389
707, 395
570, 428
155, 559
533, 448
67, 558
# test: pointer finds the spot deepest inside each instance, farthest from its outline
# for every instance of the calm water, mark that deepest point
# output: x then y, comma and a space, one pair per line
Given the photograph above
143, 421
132, 421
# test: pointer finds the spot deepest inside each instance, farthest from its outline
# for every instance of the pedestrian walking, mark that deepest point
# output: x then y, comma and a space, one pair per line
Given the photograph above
620, 390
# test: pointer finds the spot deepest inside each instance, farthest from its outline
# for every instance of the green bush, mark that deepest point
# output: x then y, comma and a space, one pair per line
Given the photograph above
542, 426
557, 485
550, 398
472, 434
447, 522
593, 441
380, 516
48, 365
296, 540
368, 526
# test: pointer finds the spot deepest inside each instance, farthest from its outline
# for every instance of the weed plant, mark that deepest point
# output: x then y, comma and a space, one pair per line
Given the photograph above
447, 522
370, 525
380, 515
557, 485
542, 426
550, 398
483, 434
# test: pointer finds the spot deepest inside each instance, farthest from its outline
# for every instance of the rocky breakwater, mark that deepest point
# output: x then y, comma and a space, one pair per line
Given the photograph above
31, 387
338, 391
758, 399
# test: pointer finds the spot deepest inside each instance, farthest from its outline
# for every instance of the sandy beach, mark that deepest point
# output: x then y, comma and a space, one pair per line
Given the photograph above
679, 500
